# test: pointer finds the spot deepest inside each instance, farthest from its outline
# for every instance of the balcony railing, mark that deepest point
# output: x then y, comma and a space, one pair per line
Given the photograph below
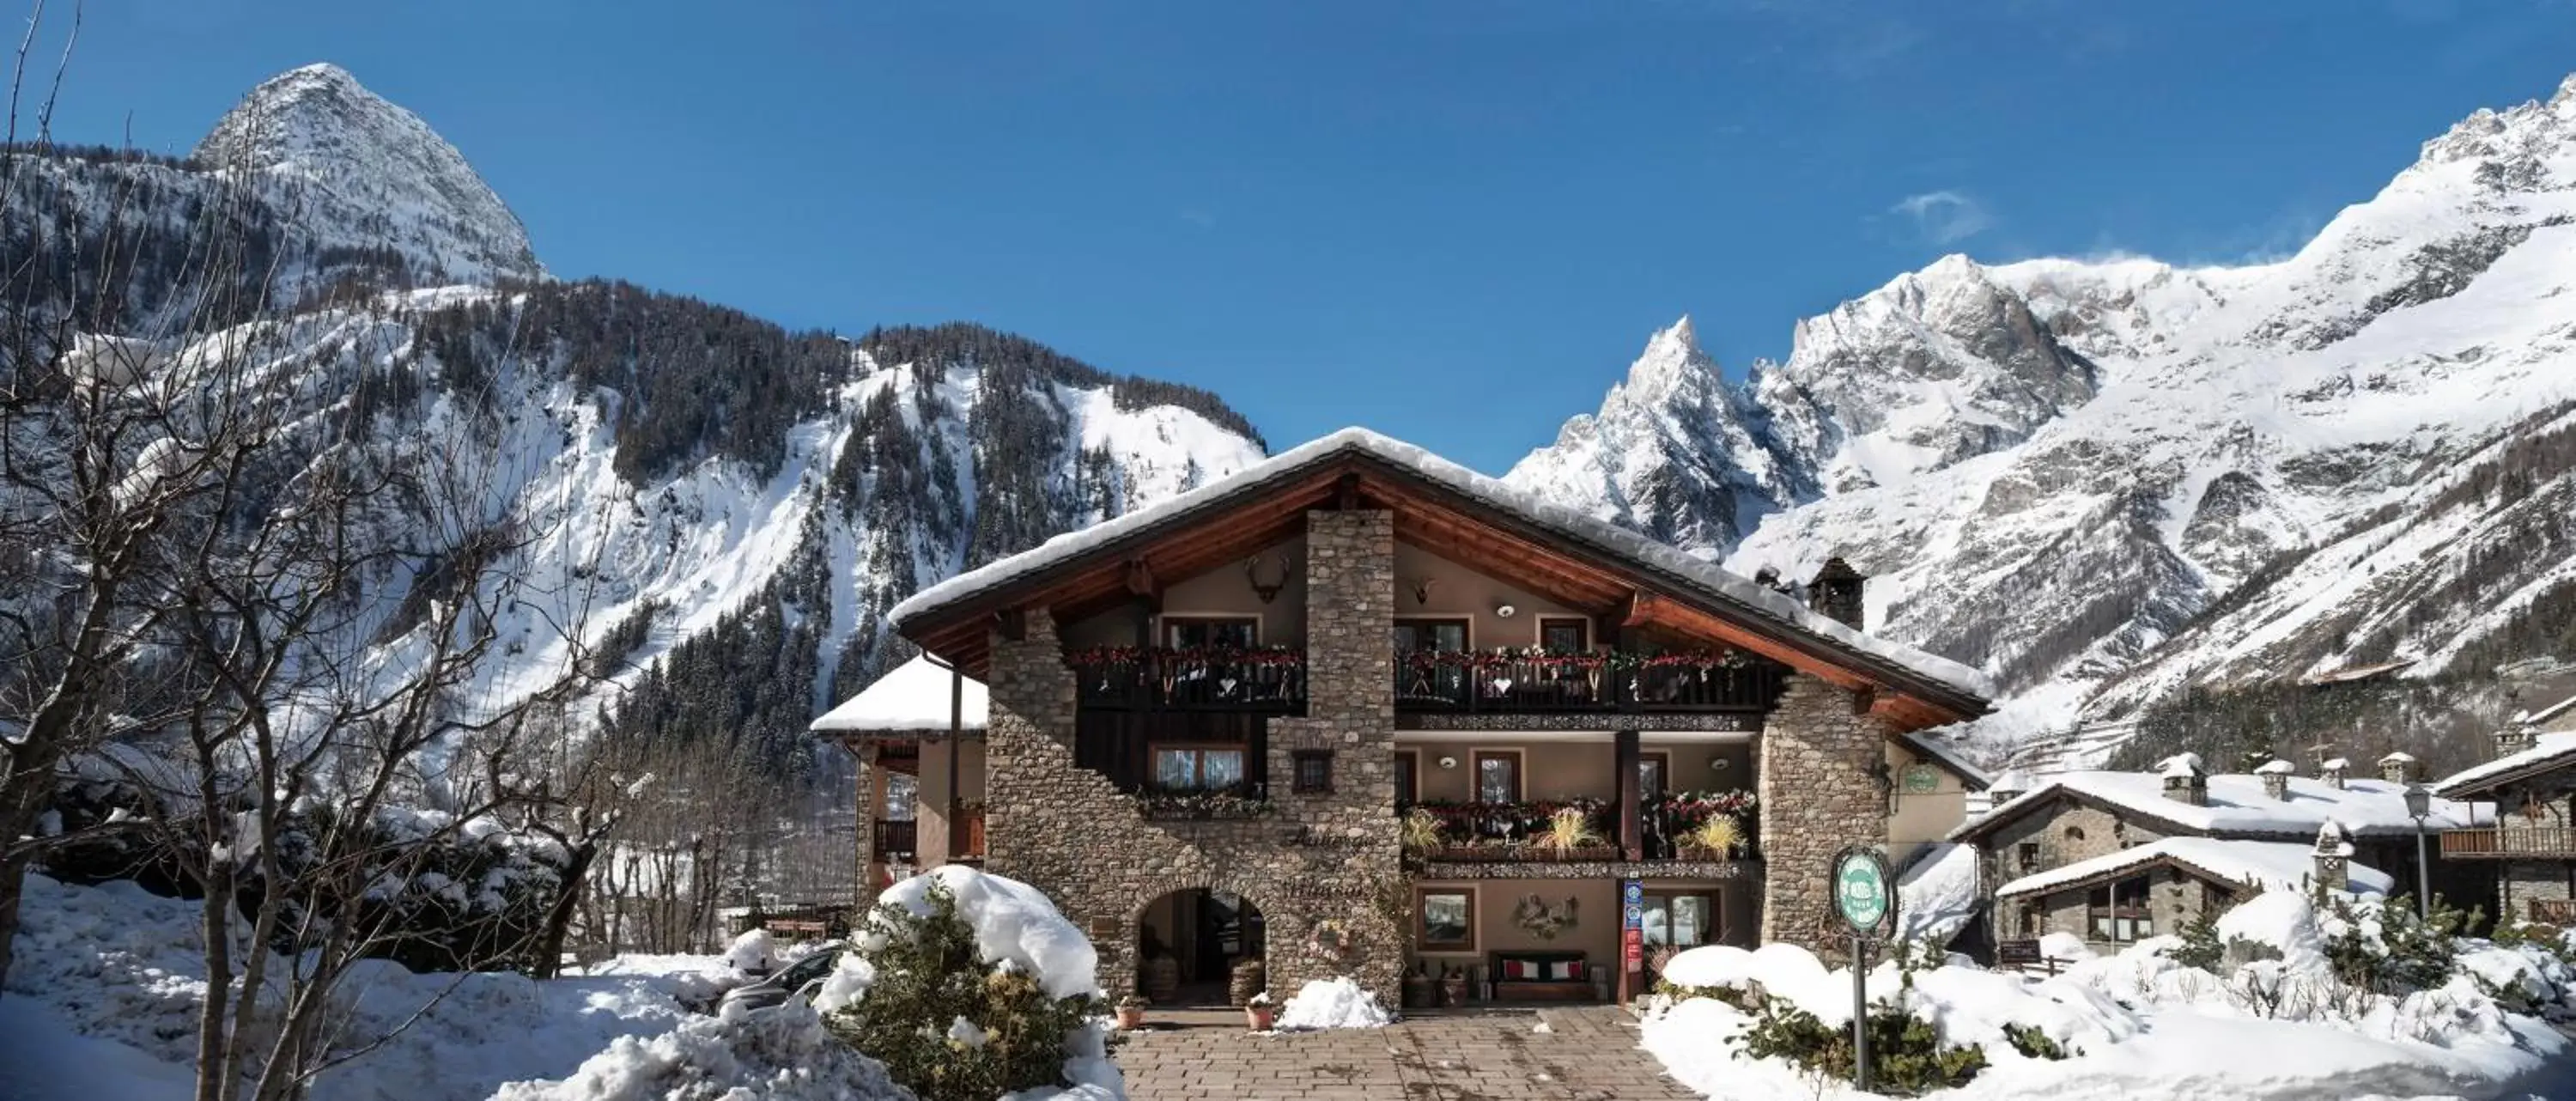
895, 841
1668, 829
2550, 911
1537, 681
1127, 677
2505, 842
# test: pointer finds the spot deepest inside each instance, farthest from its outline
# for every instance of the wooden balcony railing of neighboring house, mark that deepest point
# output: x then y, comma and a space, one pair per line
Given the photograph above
1669, 829
2551, 911
895, 841
1264, 679
966, 834
2509, 842
1533, 681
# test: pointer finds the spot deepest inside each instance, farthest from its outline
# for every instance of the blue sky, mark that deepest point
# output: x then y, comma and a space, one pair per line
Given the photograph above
1452, 221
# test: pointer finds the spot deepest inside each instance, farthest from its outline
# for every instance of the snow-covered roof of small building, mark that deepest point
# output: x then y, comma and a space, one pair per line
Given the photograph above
1932, 749
2565, 708
913, 697
2271, 865
2238, 807
2553, 750
1528, 508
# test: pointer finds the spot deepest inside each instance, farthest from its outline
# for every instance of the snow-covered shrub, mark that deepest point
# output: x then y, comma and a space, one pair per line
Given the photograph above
2385, 946
2200, 946
951, 1018
783, 1054
1906, 1053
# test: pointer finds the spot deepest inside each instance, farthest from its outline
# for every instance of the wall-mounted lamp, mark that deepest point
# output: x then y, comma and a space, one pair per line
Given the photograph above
1504, 611
1717, 764
1266, 590
1448, 762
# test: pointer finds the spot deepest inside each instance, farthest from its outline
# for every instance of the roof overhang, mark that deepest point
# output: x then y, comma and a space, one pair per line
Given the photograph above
1566, 561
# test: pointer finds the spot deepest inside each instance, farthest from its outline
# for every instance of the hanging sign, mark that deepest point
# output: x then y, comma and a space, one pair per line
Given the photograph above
1864, 891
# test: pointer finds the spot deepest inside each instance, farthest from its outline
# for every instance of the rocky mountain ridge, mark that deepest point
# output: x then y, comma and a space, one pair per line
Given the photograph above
2106, 481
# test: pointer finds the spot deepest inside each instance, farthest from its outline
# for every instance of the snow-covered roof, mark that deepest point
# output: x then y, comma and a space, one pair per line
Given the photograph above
1694, 572
912, 697
2275, 767
1970, 776
2238, 807
2553, 749
2271, 865
2565, 707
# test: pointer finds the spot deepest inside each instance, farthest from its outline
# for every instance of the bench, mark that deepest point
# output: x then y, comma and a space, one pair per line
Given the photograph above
1540, 977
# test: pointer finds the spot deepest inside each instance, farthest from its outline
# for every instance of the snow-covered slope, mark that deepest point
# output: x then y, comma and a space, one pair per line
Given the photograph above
2105, 480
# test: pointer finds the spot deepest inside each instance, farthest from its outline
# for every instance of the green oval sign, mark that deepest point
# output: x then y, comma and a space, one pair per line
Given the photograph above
1864, 889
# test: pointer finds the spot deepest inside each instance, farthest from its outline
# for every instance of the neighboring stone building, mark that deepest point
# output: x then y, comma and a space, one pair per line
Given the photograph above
1325, 712
2528, 843
2116, 857
918, 733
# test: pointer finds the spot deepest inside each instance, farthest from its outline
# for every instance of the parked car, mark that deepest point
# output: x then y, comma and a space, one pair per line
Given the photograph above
800, 980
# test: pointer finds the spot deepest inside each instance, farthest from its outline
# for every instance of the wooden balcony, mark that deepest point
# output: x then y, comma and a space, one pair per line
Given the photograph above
2510, 843
1130, 679
2553, 911
1508, 682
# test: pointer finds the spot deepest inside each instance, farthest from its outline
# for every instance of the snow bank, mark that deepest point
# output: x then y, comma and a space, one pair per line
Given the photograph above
751, 951
121, 969
783, 1054
2138, 1025
1333, 1003
1014, 925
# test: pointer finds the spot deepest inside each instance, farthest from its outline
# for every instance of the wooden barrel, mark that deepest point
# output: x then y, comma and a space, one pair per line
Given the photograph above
1160, 979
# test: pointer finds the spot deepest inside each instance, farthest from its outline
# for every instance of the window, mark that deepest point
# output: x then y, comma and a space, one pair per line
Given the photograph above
1314, 771
1498, 776
1681, 920
1447, 918
1565, 636
2075, 833
2119, 913
1438, 635
1211, 633
2028, 853
1197, 768
1407, 777
1652, 768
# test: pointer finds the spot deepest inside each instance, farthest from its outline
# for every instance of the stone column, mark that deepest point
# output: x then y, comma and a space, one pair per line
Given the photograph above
1818, 794
1350, 711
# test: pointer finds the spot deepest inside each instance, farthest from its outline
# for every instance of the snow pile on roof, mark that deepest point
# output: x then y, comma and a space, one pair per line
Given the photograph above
2549, 749
2183, 765
781, 1054
1937, 895
2275, 767
2271, 865
2237, 805
1332, 1003
1526, 506
914, 696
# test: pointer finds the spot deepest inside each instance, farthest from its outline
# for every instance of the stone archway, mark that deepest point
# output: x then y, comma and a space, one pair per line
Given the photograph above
1189, 943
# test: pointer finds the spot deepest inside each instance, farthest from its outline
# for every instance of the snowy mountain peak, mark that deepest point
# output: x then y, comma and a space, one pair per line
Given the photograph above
370, 169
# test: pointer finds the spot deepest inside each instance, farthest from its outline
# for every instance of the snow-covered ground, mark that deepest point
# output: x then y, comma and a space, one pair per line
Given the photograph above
102, 999
2139, 1025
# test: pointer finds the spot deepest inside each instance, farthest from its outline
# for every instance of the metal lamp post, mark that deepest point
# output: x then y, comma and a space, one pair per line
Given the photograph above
2419, 804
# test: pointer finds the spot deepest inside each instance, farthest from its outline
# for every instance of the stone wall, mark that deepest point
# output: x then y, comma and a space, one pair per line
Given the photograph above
2065, 831
2527, 881
1325, 856
1817, 795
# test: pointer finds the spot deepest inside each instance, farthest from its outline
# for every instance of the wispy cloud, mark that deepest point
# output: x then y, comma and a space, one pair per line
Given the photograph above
1944, 217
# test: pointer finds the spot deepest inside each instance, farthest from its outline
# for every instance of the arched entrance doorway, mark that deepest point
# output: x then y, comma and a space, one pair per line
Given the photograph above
1188, 944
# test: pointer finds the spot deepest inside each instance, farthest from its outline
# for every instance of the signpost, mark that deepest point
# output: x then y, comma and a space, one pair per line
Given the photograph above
1864, 896
1632, 937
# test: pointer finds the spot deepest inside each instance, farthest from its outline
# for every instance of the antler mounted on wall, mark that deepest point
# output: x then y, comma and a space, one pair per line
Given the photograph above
1422, 589
1266, 590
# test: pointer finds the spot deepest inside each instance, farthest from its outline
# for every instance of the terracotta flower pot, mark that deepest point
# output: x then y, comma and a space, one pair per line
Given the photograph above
1131, 1016
1260, 1018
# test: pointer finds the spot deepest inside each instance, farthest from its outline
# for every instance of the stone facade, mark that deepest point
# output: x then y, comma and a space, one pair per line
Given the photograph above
2064, 832
2174, 898
1323, 856
1820, 790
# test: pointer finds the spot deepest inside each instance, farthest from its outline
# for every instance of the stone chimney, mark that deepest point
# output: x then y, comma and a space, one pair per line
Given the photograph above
2334, 857
2516, 736
2276, 778
1836, 592
2332, 770
2185, 780
2398, 767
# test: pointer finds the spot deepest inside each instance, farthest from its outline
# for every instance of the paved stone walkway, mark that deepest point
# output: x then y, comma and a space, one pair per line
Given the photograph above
1586, 1053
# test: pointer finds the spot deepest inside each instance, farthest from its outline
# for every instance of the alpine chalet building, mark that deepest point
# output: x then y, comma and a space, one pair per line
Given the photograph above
1360, 710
